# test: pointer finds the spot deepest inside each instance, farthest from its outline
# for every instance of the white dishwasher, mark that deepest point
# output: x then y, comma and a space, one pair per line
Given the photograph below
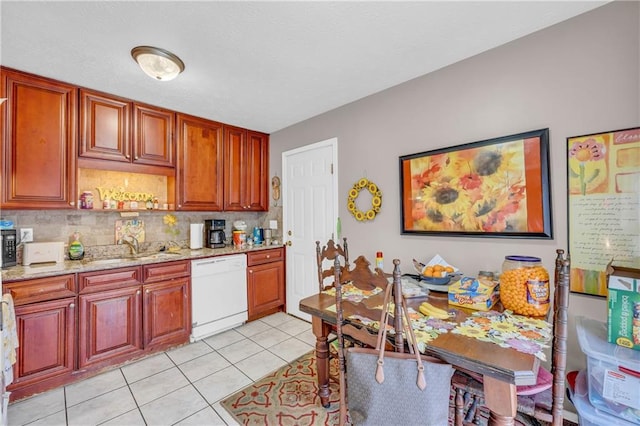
218, 294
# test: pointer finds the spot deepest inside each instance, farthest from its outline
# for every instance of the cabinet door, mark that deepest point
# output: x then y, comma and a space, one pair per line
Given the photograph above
46, 335
38, 142
104, 127
235, 172
199, 167
266, 290
167, 313
257, 193
153, 136
110, 326
246, 170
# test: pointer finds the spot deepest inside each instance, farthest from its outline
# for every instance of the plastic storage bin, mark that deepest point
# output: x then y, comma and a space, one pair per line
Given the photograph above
588, 415
613, 372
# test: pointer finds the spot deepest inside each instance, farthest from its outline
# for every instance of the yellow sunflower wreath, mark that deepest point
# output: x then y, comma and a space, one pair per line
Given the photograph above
376, 200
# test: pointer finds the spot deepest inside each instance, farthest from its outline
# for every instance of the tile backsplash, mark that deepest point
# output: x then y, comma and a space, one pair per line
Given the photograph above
98, 227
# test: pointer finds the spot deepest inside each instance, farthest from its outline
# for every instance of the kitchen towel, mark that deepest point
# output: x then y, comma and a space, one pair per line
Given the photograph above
9, 338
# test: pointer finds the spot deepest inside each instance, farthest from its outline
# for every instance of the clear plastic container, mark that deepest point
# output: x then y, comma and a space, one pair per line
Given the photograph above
524, 286
588, 415
613, 371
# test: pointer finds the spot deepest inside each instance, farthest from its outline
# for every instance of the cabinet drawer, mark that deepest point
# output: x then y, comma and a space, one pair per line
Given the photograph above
89, 282
265, 256
165, 271
41, 289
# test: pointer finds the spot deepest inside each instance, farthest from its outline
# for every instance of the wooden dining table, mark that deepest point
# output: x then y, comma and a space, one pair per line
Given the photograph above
502, 368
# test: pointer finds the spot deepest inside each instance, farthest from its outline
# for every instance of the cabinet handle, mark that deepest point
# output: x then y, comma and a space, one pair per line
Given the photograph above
138, 292
148, 291
72, 305
72, 203
251, 271
127, 156
268, 256
135, 158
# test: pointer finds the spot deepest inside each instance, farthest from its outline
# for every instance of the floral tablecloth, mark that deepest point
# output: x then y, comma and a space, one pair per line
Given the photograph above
506, 329
524, 334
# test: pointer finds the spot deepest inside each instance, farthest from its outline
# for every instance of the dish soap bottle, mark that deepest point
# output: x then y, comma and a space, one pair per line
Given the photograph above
76, 249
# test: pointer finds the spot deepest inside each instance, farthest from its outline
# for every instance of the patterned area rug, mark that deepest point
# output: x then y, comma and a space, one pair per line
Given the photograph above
288, 396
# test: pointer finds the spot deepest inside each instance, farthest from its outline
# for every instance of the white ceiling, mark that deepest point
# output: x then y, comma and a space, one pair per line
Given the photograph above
261, 65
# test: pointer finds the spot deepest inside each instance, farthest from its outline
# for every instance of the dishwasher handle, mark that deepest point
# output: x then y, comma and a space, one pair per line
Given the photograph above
207, 262
228, 262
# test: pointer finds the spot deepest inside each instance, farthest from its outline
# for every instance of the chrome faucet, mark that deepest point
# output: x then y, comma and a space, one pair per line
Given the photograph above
133, 244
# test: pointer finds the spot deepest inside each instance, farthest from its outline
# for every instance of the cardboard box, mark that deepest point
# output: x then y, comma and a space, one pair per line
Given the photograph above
472, 293
623, 300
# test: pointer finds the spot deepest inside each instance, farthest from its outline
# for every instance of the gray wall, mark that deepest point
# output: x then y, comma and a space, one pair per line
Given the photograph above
577, 77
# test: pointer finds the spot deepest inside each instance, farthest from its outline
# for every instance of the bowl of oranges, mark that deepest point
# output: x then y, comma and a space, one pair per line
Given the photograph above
437, 271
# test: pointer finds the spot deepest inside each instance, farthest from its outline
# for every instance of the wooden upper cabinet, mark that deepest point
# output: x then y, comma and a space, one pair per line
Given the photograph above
258, 170
199, 164
38, 123
246, 155
153, 136
105, 127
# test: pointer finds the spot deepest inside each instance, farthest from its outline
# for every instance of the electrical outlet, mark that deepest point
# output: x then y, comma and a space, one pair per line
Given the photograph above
26, 235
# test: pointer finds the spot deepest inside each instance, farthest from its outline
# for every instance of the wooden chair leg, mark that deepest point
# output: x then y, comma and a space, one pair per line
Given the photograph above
459, 404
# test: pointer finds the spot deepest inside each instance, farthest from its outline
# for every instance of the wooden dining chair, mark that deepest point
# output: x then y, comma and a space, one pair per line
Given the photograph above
546, 405
363, 278
325, 257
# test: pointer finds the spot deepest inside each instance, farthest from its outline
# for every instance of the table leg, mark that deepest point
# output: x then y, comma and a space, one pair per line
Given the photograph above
501, 399
321, 331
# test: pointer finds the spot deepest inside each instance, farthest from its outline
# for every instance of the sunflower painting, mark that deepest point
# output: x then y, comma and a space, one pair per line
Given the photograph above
497, 187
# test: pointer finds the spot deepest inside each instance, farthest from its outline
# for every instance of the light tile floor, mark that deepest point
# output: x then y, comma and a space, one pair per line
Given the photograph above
183, 386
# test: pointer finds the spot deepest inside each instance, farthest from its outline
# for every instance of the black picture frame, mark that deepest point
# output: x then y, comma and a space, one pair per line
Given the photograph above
496, 188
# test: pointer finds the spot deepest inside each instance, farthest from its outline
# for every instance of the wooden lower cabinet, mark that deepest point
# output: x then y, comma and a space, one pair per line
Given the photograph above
46, 336
110, 326
96, 320
167, 312
265, 282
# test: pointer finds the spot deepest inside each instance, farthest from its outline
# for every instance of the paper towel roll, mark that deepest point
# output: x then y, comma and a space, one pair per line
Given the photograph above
196, 236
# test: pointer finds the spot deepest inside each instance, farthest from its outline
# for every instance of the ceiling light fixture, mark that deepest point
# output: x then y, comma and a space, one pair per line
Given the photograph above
157, 63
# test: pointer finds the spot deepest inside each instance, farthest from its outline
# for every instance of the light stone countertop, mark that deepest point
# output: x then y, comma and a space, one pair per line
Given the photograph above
19, 272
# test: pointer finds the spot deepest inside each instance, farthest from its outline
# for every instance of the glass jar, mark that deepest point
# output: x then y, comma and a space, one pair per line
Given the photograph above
524, 286
86, 200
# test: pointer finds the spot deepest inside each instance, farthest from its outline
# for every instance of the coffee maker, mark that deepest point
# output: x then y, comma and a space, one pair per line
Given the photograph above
8, 247
214, 233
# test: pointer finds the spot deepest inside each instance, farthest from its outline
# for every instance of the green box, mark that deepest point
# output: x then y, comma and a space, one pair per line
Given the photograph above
623, 300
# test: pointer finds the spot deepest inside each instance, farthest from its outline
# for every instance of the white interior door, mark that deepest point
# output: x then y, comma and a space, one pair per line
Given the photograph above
310, 212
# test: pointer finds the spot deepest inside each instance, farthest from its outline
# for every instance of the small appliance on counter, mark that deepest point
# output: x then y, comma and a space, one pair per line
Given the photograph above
214, 233
9, 247
43, 253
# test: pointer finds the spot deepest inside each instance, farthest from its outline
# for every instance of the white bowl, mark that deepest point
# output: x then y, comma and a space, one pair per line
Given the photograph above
240, 225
